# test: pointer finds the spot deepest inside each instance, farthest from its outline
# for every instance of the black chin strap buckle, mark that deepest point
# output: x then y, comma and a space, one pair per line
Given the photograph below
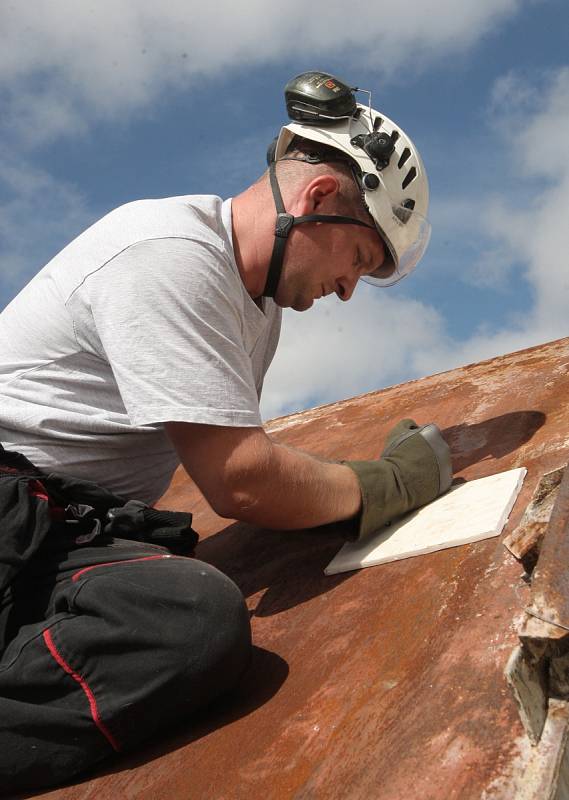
283, 224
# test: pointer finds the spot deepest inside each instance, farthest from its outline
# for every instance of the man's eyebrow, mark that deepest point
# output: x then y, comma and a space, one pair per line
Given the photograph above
360, 263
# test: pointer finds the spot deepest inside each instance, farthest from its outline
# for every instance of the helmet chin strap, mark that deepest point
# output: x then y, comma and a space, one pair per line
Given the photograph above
283, 227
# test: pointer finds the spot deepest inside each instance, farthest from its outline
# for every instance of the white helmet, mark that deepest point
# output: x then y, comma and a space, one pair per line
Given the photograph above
388, 166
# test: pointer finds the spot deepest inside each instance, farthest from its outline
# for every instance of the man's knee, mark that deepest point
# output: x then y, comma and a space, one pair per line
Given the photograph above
219, 608
174, 632
201, 622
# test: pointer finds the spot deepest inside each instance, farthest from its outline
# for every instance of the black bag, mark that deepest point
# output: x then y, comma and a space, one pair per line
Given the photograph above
34, 505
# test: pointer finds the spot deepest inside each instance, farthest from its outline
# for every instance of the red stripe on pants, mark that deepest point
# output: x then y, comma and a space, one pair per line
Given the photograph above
86, 688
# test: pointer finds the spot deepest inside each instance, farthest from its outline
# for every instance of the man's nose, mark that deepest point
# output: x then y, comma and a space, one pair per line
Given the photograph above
345, 287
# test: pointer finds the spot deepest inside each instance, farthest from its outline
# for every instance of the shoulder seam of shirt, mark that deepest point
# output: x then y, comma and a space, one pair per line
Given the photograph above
50, 362
221, 247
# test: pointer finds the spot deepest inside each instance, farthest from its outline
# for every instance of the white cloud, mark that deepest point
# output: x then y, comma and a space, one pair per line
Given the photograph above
40, 216
534, 121
337, 350
492, 269
96, 60
539, 232
33, 117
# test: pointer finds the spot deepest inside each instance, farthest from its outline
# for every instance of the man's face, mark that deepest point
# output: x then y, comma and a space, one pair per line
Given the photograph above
324, 258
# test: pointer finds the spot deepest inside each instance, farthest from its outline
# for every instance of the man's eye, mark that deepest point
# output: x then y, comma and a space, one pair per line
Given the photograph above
357, 258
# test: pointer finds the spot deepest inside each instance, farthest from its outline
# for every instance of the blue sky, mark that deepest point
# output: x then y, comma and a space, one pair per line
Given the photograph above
105, 103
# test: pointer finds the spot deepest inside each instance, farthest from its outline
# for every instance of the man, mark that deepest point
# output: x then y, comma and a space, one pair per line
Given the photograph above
144, 344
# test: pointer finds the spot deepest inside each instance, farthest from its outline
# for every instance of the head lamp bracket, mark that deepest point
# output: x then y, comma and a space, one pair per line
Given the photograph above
379, 146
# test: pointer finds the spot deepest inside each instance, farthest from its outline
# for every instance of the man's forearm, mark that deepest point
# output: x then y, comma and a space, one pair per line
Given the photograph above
292, 490
245, 475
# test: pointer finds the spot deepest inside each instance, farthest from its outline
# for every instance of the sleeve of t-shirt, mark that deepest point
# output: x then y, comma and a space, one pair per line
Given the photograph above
169, 317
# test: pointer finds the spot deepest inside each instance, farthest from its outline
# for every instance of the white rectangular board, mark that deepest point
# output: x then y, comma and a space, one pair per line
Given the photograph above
467, 513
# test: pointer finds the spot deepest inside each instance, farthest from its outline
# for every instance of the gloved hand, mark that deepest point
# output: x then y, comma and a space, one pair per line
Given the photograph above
413, 469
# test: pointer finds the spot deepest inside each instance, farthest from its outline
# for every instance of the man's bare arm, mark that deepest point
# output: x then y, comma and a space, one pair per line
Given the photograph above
244, 475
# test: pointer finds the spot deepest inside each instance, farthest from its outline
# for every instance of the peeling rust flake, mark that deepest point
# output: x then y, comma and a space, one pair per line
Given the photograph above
525, 542
550, 582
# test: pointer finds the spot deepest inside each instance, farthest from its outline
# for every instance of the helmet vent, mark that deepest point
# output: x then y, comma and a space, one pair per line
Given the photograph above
404, 157
411, 175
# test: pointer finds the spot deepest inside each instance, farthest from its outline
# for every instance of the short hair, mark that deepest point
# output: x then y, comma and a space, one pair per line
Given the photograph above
304, 154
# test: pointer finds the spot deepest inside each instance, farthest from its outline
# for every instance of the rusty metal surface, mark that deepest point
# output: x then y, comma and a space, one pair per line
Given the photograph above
525, 542
550, 581
388, 682
545, 773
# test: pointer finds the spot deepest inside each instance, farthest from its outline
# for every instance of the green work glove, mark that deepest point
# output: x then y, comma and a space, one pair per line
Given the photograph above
413, 469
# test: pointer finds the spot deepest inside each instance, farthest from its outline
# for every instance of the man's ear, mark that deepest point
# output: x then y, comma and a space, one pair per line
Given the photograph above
315, 196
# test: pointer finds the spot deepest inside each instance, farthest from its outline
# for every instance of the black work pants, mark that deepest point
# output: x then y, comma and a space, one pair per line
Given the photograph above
101, 646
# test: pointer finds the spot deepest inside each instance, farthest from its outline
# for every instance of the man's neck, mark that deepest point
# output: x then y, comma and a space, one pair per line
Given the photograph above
252, 238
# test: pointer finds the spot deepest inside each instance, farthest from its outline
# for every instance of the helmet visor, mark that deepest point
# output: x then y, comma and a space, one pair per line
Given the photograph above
418, 230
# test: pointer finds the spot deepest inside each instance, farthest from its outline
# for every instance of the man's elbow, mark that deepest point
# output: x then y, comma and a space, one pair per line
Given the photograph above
239, 502
232, 468
242, 487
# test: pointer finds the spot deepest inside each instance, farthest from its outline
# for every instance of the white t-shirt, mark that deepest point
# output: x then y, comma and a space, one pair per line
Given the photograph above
140, 320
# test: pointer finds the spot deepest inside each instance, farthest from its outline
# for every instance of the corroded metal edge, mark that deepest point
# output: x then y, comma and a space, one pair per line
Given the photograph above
538, 772
538, 669
550, 579
525, 541
528, 680
545, 775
